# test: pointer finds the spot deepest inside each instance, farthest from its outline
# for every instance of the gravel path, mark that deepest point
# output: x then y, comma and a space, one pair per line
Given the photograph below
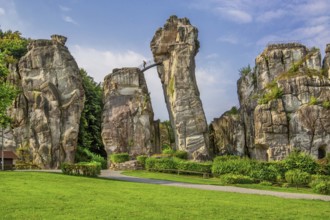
116, 175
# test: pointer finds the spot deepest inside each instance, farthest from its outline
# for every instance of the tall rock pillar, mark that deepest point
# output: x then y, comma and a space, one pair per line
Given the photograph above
175, 47
46, 115
127, 119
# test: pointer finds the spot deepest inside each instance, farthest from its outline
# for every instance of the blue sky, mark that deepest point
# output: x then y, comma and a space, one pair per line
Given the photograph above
107, 34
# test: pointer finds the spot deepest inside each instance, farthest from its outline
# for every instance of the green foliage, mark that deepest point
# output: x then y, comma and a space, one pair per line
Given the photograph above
181, 154
82, 169
265, 172
225, 158
168, 151
301, 161
320, 184
233, 111
326, 104
21, 165
266, 183
244, 71
12, 47
85, 155
273, 92
161, 164
89, 136
170, 87
119, 158
142, 159
297, 177
235, 179
313, 101
194, 166
242, 166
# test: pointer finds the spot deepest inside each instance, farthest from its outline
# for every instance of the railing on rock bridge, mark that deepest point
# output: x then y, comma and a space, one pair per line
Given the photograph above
147, 65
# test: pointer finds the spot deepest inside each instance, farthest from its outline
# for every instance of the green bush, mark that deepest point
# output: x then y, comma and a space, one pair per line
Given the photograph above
168, 151
301, 161
235, 179
194, 166
326, 104
265, 172
142, 159
313, 101
265, 183
119, 158
161, 164
241, 166
83, 169
225, 158
85, 155
21, 165
322, 187
297, 177
181, 154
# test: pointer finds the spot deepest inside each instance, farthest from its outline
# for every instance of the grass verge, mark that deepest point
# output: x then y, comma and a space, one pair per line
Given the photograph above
32, 195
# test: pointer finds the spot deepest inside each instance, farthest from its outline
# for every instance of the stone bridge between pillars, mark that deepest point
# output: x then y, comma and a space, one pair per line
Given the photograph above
127, 102
148, 65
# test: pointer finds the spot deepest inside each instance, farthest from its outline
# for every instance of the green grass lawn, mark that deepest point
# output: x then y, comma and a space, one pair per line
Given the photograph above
209, 181
32, 195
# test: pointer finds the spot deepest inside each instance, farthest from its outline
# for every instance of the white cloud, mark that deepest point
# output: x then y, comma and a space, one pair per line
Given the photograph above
64, 8
236, 15
69, 19
2, 11
271, 15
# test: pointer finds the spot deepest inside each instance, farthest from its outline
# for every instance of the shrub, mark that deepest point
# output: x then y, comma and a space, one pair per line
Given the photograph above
297, 177
142, 159
181, 154
265, 172
301, 161
313, 101
85, 155
244, 71
326, 104
21, 165
322, 187
235, 179
83, 168
161, 164
194, 166
242, 166
273, 93
119, 158
168, 151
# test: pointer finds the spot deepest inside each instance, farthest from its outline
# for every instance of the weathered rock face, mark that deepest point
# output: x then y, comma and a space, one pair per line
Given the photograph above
46, 114
175, 46
127, 120
284, 103
326, 61
227, 135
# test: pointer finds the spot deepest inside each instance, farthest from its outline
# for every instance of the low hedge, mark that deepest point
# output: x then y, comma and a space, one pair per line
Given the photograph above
176, 164
233, 165
235, 179
25, 166
194, 166
161, 164
82, 169
119, 158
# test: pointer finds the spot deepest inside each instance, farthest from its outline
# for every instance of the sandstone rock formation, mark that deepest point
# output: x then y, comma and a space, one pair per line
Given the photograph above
227, 135
127, 119
46, 114
284, 103
175, 46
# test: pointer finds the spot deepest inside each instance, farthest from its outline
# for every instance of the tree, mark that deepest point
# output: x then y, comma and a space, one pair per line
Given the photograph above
90, 122
12, 48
